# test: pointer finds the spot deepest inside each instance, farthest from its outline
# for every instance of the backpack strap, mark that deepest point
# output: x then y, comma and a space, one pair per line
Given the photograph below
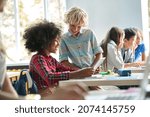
29, 79
30, 82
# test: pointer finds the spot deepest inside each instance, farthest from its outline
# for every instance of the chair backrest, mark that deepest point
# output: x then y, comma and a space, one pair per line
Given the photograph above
25, 85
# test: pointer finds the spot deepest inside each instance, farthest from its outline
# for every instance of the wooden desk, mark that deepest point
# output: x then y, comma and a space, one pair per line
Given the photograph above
30, 97
106, 81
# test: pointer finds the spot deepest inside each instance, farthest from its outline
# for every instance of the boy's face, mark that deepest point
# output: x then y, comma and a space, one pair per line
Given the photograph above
131, 42
75, 28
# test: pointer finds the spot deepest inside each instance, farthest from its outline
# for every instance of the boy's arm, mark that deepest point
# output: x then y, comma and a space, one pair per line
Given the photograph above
97, 57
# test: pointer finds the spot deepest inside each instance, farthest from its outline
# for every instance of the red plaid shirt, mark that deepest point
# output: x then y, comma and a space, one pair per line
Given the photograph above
47, 71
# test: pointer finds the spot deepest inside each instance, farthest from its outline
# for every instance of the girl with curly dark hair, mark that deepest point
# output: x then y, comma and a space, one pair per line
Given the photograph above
44, 38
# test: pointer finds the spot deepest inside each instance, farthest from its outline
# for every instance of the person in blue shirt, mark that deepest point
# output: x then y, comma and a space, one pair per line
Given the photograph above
78, 44
140, 47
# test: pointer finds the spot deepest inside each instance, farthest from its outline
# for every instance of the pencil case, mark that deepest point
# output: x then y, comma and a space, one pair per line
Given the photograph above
123, 72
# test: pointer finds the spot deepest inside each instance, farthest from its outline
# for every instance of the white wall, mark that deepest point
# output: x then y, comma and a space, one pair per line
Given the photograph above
103, 14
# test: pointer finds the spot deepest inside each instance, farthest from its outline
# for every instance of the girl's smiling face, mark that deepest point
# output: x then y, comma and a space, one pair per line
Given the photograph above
53, 47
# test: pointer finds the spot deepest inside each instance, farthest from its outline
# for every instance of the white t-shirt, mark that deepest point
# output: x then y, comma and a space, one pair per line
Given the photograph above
114, 57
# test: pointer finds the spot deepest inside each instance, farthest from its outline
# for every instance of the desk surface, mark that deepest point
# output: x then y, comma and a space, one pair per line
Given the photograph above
135, 79
136, 69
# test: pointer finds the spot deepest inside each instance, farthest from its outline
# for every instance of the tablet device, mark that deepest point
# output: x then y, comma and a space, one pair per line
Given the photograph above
100, 61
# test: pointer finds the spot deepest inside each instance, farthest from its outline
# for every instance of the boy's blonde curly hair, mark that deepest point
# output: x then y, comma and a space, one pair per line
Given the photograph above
75, 16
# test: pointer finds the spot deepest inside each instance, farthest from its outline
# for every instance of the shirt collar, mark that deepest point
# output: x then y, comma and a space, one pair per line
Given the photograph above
70, 34
125, 49
43, 53
113, 43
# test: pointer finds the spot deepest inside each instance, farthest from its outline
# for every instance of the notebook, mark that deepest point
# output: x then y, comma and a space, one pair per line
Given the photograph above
129, 94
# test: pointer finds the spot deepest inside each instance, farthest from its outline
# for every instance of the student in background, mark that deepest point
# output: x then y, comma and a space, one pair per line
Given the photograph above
44, 38
140, 47
129, 47
8, 92
79, 45
129, 44
111, 46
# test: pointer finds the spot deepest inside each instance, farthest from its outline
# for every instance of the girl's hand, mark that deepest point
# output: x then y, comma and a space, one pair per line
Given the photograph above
86, 72
82, 73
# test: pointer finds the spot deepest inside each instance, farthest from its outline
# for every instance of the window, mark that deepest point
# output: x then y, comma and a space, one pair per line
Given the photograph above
149, 22
145, 7
18, 15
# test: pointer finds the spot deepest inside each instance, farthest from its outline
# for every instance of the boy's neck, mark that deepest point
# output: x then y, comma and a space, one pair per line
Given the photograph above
126, 46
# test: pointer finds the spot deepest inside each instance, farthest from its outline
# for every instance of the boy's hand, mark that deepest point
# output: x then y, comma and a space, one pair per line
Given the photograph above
97, 70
